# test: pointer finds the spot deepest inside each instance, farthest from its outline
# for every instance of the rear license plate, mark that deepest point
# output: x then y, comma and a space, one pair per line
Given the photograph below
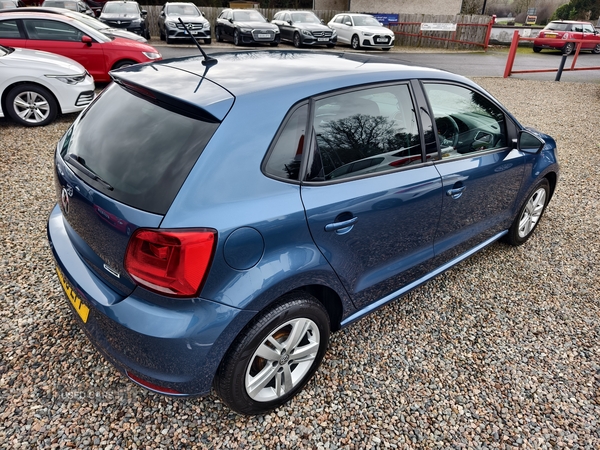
265, 36
550, 35
322, 39
79, 306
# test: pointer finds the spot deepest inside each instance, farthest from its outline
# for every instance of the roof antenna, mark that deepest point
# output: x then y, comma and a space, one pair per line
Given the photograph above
208, 60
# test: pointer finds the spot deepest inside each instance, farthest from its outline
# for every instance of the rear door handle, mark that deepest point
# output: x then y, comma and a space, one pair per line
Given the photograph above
456, 192
341, 227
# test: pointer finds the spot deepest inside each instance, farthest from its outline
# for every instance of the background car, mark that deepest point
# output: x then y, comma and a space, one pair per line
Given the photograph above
245, 26
90, 22
65, 36
72, 5
252, 237
126, 15
362, 30
304, 28
554, 36
9, 4
35, 87
170, 29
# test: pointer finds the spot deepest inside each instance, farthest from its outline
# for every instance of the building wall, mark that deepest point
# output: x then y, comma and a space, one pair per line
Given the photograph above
329, 5
437, 7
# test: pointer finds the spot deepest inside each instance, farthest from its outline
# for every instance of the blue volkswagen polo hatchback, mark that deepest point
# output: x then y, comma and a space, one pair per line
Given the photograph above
217, 221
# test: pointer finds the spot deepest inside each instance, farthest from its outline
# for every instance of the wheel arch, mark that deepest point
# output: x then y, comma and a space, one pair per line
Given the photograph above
18, 83
552, 178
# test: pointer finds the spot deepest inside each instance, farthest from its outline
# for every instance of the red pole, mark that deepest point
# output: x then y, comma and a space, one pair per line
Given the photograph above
489, 33
511, 54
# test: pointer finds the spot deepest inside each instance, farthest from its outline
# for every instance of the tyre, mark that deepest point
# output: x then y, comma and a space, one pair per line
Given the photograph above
147, 34
355, 42
31, 105
386, 49
218, 36
207, 41
568, 48
273, 44
596, 49
236, 38
161, 34
275, 356
529, 215
168, 40
330, 45
297, 40
124, 63
537, 49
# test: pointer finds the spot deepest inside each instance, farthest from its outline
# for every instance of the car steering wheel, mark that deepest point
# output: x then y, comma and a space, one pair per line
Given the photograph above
447, 130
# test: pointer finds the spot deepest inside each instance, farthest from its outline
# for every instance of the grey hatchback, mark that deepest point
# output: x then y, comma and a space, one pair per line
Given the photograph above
266, 199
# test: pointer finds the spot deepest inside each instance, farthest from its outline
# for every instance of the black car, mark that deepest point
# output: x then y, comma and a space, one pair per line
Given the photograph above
127, 15
304, 28
245, 26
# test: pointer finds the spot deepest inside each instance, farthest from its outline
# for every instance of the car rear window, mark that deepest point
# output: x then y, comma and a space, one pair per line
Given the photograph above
134, 151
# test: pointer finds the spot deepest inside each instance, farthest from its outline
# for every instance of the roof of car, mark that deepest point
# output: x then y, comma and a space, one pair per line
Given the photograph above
289, 74
570, 21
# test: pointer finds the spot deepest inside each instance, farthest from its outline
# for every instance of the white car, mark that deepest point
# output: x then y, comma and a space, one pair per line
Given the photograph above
35, 86
361, 30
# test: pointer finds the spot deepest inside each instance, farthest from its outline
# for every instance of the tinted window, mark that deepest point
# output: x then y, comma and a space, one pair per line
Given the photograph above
285, 158
466, 121
50, 30
9, 30
366, 131
142, 151
248, 16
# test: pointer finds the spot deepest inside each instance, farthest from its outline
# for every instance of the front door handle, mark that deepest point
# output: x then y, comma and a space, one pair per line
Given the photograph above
341, 227
455, 193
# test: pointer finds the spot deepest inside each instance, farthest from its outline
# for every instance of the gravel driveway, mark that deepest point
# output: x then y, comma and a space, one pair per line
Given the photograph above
502, 351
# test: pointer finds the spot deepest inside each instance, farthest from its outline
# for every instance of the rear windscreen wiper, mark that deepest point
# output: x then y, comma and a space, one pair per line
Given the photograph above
79, 164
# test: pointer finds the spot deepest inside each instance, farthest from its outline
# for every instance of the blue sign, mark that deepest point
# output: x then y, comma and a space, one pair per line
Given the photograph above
386, 18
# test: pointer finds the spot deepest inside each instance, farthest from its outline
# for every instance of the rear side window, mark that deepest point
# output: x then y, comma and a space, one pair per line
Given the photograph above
140, 153
286, 155
9, 30
366, 131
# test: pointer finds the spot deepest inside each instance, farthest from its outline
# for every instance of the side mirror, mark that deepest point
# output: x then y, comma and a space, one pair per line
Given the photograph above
86, 40
289, 22
144, 12
348, 23
230, 20
322, 21
528, 142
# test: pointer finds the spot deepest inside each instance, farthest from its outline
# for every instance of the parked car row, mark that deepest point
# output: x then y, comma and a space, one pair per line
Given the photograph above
248, 26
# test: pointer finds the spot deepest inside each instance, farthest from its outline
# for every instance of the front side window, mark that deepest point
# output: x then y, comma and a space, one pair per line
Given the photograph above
466, 121
50, 30
366, 131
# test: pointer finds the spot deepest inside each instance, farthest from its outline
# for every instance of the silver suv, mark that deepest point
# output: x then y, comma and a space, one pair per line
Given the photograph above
171, 29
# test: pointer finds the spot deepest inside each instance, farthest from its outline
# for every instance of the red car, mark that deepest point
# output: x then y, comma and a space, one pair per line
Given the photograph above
555, 34
71, 38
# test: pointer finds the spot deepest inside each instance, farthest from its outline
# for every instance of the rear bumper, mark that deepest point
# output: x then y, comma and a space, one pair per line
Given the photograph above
173, 344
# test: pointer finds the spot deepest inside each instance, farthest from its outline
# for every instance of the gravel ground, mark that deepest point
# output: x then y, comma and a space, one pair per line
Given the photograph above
500, 352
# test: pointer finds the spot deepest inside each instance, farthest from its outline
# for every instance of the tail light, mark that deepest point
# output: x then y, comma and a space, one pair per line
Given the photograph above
171, 262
